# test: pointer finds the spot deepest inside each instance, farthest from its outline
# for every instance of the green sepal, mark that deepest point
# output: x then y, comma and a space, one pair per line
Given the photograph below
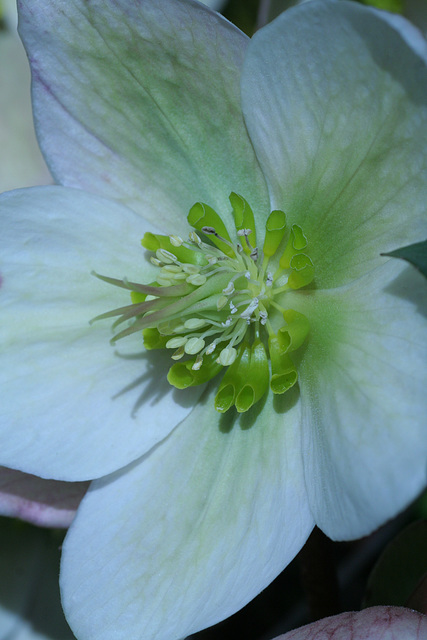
182, 376
275, 228
283, 372
153, 242
232, 380
202, 215
302, 271
296, 243
153, 339
293, 335
243, 218
255, 381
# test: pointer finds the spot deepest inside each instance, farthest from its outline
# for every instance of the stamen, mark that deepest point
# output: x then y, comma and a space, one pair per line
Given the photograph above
211, 348
166, 256
194, 345
197, 363
179, 353
173, 343
254, 254
247, 313
196, 279
229, 289
195, 238
195, 323
207, 293
176, 241
227, 356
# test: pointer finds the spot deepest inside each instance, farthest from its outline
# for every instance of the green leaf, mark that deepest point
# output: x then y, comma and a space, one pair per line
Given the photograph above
416, 254
396, 6
399, 569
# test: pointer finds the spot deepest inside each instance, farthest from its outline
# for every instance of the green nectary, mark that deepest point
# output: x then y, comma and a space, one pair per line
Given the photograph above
222, 304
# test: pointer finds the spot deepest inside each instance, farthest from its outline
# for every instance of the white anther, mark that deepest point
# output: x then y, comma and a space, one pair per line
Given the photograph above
198, 363
280, 282
212, 260
176, 241
229, 289
179, 328
173, 343
194, 237
233, 307
197, 279
228, 322
195, 323
194, 345
178, 354
150, 297
254, 254
166, 256
190, 268
172, 268
210, 231
155, 261
211, 348
263, 315
164, 282
247, 313
178, 276
248, 275
244, 232
227, 356
269, 280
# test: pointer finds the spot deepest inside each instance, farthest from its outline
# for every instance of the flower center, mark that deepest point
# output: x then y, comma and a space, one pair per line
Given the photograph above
222, 304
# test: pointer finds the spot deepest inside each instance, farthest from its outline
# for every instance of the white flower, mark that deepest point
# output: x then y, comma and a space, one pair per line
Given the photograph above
143, 109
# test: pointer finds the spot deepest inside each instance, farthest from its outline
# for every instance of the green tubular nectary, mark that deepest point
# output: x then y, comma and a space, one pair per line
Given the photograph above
218, 304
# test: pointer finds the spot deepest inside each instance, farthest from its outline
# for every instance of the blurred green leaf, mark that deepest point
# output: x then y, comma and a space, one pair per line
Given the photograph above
396, 6
30, 606
400, 568
416, 254
242, 14
270, 9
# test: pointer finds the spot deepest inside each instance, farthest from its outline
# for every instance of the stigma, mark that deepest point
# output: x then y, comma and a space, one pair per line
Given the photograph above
219, 304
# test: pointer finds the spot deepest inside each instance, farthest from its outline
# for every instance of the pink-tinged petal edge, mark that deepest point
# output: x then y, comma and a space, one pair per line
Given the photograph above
375, 623
46, 503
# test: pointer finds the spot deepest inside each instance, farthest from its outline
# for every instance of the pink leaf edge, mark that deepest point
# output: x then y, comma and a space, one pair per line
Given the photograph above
375, 623
45, 503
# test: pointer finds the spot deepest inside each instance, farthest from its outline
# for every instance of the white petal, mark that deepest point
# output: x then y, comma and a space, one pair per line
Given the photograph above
46, 503
191, 533
363, 385
336, 107
141, 102
73, 407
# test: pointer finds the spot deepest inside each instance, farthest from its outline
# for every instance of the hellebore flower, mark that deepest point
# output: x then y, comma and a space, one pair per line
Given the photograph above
152, 111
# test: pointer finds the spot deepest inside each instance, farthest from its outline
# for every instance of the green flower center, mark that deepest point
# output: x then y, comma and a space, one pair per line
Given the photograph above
218, 304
